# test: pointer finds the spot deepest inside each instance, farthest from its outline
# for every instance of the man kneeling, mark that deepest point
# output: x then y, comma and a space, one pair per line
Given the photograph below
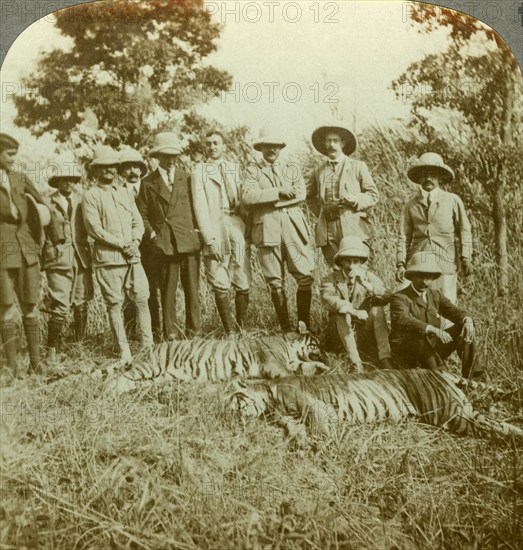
416, 312
355, 297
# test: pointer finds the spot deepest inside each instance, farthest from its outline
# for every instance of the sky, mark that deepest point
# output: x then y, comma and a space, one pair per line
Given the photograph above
294, 64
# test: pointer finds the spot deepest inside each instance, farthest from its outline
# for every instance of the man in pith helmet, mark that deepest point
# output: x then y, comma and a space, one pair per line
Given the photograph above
341, 189
435, 220
274, 193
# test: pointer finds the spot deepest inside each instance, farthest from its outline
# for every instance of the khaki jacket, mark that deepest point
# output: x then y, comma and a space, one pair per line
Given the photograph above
261, 195
443, 228
355, 180
112, 220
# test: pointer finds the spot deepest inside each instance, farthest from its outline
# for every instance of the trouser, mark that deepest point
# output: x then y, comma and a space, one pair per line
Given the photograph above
368, 340
431, 353
151, 266
186, 268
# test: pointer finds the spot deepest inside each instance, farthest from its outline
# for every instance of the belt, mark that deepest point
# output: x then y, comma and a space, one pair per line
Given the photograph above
231, 211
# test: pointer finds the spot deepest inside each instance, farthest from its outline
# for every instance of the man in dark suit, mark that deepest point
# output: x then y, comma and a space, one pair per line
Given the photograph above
20, 254
416, 316
171, 237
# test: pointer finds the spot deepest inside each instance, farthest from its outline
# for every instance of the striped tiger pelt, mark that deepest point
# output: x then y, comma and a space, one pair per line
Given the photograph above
434, 397
205, 360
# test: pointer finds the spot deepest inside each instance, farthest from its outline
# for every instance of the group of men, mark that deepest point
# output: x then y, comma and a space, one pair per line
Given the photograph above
139, 233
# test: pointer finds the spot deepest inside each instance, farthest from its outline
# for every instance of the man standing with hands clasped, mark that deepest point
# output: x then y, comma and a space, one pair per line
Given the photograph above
113, 221
435, 220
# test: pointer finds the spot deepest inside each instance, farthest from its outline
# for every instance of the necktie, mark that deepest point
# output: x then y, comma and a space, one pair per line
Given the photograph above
231, 195
428, 200
334, 165
424, 296
69, 207
275, 176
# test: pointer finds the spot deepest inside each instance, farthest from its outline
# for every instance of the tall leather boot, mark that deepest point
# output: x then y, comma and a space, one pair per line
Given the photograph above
9, 331
280, 305
224, 309
303, 303
80, 322
54, 332
32, 334
241, 301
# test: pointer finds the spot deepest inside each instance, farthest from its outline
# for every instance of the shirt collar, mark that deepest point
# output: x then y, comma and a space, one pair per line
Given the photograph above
433, 194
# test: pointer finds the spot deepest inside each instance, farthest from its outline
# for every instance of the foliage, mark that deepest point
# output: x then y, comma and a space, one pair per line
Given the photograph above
133, 67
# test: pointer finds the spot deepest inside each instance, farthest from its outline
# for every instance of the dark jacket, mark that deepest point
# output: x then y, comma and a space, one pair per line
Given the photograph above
170, 216
18, 237
410, 315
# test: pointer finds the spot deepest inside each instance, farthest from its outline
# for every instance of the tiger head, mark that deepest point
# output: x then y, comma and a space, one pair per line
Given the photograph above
306, 348
246, 399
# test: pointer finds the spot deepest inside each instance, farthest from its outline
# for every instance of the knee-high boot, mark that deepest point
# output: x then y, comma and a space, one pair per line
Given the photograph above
32, 334
224, 309
55, 327
241, 301
280, 305
303, 303
80, 322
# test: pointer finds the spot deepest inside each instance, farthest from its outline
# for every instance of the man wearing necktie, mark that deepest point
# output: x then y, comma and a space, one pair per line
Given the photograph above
416, 312
67, 266
172, 240
274, 193
435, 220
216, 189
341, 190
20, 256
112, 220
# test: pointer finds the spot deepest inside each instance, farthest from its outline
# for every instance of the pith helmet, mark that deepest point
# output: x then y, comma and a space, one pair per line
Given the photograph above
132, 155
60, 173
318, 138
268, 138
165, 143
423, 262
103, 155
352, 247
430, 161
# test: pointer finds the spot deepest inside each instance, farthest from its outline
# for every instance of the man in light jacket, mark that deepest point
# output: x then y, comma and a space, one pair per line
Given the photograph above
114, 223
216, 190
341, 189
274, 193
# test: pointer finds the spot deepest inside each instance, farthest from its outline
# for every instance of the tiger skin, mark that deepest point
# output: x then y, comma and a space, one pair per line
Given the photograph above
432, 396
205, 360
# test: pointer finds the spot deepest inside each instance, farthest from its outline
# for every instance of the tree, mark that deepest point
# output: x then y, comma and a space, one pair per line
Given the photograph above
133, 68
464, 99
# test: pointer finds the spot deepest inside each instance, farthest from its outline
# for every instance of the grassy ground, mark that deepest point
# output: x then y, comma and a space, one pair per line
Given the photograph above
166, 468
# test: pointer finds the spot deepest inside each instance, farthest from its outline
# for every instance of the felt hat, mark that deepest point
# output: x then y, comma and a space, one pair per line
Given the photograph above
59, 174
165, 143
430, 161
103, 155
423, 262
268, 138
38, 217
133, 156
8, 142
318, 138
352, 247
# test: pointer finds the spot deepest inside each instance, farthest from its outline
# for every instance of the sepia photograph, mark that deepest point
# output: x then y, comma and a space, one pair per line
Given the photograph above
260, 276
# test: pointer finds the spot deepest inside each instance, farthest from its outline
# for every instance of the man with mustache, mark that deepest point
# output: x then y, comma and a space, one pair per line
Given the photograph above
132, 170
274, 192
341, 189
171, 236
114, 223
216, 188
416, 312
435, 220
67, 266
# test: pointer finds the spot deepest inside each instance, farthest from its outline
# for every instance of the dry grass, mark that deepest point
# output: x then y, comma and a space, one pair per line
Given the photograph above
166, 468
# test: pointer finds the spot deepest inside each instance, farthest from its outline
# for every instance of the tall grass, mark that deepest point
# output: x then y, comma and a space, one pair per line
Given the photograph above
166, 468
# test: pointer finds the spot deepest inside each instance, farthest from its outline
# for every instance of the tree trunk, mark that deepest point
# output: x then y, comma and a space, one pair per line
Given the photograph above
500, 238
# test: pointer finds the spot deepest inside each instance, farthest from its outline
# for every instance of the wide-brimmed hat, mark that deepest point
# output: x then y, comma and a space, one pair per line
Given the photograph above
423, 262
318, 138
103, 155
268, 138
430, 161
60, 173
38, 217
352, 247
8, 142
133, 156
165, 143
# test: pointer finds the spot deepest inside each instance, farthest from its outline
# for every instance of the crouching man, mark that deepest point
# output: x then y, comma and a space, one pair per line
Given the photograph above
416, 318
355, 297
